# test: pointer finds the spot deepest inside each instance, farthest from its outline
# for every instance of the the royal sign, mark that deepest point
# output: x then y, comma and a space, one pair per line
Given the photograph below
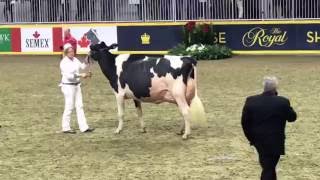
264, 37
248, 37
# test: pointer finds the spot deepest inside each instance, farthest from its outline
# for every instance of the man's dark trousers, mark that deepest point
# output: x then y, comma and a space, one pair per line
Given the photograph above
268, 164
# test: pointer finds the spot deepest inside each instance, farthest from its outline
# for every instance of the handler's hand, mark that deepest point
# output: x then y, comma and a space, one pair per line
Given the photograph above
89, 74
85, 75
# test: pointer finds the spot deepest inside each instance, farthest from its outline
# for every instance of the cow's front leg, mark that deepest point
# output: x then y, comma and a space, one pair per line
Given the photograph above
120, 103
139, 112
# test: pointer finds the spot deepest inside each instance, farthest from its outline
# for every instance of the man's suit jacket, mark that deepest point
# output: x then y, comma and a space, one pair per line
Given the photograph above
263, 121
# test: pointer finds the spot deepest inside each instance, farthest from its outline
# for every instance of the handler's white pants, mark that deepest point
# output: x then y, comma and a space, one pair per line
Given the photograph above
73, 99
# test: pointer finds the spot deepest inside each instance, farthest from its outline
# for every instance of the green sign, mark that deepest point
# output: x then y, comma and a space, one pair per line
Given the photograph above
5, 40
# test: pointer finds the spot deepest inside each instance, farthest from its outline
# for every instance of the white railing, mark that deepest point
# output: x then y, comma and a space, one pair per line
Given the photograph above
59, 11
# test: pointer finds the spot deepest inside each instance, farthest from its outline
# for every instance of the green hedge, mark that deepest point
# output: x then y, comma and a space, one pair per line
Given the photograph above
202, 52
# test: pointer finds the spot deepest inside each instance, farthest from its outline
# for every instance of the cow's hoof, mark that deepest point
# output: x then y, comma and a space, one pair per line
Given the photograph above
117, 131
180, 133
185, 137
143, 130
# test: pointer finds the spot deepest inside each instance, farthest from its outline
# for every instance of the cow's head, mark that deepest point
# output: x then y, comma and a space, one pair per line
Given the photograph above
101, 51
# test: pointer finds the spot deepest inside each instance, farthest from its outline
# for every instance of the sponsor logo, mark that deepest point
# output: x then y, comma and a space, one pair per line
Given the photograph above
4, 38
37, 41
145, 39
313, 37
264, 37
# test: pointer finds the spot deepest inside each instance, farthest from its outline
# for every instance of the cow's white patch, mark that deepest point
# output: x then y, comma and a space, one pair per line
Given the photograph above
146, 58
152, 70
128, 92
175, 61
158, 60
119, 61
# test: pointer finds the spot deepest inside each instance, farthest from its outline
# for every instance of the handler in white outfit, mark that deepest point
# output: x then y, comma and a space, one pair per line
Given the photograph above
70, 85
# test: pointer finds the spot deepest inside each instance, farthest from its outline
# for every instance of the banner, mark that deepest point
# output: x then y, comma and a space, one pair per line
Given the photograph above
36, 40
148, 38
239, 37
270, 36
251, 37
5, 39
10, 40
86, 36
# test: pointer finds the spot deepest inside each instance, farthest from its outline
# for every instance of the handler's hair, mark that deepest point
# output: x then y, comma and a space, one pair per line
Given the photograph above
270, 83
65, 52
66, 48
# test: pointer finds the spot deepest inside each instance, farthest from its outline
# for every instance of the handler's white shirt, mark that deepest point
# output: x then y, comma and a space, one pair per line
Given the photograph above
70, 70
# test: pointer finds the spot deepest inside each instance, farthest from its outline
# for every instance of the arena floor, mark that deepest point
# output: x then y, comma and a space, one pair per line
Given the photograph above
31, 105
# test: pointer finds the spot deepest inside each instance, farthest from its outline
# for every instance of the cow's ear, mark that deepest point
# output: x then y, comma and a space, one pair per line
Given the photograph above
103, 45
113, 46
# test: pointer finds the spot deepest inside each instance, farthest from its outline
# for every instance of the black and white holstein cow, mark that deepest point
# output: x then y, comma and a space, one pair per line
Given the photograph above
148, 79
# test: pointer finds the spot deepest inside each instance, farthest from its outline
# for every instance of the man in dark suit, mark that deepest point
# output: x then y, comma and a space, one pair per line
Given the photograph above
263, 121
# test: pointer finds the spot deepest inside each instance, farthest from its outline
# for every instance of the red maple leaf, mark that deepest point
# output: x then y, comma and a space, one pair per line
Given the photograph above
36, 35
84, 42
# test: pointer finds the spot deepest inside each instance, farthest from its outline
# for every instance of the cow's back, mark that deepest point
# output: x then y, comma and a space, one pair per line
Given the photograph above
151, 78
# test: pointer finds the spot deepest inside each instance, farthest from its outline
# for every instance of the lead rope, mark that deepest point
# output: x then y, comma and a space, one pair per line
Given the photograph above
88, 61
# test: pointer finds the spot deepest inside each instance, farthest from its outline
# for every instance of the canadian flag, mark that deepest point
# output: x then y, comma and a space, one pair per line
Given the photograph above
84, 42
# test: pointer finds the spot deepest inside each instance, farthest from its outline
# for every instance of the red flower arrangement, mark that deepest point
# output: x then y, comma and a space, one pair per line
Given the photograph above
198, 33
205, 28
190, 26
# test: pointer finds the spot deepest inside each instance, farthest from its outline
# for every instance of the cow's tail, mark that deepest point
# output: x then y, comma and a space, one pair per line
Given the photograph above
198, 115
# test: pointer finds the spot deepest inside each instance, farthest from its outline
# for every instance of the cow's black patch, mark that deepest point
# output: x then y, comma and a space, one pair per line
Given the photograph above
138, 76
188, 61
137, 103
108, 67
100, 52
136, 72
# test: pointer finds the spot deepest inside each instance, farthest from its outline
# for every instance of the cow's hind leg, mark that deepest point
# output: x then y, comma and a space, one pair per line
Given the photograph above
182, 124
120, 103
184, 109
182, 127
139, 112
